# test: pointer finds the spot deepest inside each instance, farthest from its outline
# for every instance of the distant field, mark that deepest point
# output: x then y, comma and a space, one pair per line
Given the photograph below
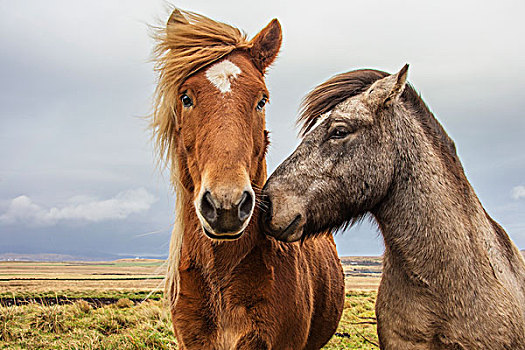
126, 274
361, 273
118, 305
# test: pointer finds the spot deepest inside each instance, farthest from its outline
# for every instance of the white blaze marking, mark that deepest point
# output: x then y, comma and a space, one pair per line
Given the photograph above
320, 120
222, 74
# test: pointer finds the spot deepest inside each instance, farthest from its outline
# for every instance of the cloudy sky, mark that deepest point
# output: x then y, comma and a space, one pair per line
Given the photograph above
77, 170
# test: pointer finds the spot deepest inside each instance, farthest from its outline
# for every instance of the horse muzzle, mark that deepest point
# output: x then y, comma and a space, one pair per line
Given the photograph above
283, 221
222, 218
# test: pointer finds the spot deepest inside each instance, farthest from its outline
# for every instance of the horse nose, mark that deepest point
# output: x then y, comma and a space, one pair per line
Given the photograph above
281, 218
245, 206
226, 218
208, 209
266, 212
267, 217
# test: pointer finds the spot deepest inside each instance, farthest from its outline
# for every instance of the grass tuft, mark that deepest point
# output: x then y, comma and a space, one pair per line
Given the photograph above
124, 303
49, 318
82, 307
7, 318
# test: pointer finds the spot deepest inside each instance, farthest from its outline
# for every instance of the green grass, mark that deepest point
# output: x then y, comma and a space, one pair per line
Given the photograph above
86, 294
358, 323
80, 326
125, 325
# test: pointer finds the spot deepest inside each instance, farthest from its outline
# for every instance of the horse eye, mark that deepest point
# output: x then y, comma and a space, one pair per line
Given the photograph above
339, 133
261, 103
186, 101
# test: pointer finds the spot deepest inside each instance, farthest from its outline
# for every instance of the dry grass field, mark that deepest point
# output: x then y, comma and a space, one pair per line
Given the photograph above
118, 305
362, 272
125, 274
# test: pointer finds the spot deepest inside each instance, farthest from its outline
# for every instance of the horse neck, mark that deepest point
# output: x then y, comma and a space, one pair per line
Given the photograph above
217, 258
435, 227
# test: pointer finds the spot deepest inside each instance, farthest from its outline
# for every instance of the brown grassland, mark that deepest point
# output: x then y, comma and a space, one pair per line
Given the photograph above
118, 305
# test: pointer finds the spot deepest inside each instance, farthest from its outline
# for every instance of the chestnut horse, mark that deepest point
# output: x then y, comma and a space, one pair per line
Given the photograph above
452, 278
229, 285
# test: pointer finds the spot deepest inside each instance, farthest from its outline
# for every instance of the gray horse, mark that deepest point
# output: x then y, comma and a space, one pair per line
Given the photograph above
452, 277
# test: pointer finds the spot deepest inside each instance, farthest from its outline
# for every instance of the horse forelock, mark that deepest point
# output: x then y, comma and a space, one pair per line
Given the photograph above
326, 96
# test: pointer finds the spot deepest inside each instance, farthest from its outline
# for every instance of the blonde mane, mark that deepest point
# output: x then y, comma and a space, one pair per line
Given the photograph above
189, 43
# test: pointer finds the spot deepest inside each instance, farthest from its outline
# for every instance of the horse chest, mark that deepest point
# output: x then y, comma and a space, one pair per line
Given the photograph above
227, 308
232, 324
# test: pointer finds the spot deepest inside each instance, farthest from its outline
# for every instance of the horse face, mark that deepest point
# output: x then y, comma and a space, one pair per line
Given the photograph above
223, 136
342, 168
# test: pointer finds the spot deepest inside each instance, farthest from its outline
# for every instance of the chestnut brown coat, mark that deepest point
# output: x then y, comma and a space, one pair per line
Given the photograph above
229, 285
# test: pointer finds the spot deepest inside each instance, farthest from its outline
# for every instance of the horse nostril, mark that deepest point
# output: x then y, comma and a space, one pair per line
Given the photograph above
245, 206
208, 209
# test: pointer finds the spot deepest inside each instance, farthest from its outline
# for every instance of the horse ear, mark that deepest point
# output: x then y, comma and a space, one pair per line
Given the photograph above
176, 18
266, 45
388, 89
399, 84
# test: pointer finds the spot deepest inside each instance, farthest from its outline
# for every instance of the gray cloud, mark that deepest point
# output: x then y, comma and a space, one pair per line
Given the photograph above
22, 210
518, 192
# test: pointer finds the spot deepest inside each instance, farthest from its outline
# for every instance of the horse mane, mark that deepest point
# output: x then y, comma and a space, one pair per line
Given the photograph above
189, 43
337, 89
